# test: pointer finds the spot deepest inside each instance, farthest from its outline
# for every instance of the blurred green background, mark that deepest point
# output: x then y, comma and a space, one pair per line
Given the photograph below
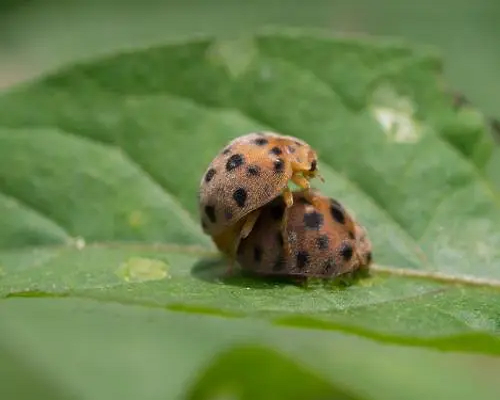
39, 35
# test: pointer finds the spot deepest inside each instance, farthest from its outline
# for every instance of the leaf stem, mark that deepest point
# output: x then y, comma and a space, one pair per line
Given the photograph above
437, 276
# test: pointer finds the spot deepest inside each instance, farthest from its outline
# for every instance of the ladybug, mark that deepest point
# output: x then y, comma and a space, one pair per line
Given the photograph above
247, 174
325, 240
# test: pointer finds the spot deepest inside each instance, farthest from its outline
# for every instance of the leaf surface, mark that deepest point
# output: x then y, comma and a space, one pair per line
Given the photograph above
100, 164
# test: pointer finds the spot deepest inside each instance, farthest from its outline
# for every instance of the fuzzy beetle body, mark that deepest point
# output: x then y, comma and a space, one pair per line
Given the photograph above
324, 240
247, 174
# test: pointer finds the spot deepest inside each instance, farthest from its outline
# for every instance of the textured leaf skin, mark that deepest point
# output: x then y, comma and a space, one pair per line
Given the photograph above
99, 168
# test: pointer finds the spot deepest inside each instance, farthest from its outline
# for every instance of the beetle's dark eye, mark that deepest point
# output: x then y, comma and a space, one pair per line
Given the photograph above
313, 166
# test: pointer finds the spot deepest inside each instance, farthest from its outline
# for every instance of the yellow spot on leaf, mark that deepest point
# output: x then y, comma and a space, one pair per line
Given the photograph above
140, 269
136, 219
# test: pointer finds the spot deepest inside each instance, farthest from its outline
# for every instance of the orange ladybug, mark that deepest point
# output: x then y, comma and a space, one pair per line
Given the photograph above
248, 173
325, 241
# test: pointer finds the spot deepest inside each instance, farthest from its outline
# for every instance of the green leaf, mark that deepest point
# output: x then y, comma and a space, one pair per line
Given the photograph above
99, 168
96, 350
494, 168
280, 375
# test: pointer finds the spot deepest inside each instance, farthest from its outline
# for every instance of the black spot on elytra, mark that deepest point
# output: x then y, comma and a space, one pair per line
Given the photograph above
240, 197
253, 170
322, 242
302, 259
337, 212
276, 211
279, 239
257, 254
261, 141
228, 214
235, 161
226, 151
209, 175
279, 165
351, 235
276, 151
210, 213
313, 220
314, 165
346, 251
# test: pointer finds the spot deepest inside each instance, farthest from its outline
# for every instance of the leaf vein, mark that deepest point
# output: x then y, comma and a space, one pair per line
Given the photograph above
34, 209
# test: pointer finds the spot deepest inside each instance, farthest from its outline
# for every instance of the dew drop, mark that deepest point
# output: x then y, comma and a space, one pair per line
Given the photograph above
139, 269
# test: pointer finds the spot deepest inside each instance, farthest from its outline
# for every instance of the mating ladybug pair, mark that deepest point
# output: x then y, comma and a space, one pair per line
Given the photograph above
256, 220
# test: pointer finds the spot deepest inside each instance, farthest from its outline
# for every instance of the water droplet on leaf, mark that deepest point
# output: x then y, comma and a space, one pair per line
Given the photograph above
140, 269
